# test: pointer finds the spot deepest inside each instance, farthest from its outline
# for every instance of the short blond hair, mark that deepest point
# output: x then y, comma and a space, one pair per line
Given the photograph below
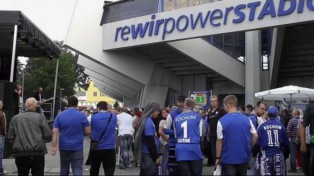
189, 103
231, 100
213, 97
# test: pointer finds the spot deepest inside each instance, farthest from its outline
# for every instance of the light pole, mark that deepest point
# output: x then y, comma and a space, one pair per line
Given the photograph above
55, 89
61, 99
23, 81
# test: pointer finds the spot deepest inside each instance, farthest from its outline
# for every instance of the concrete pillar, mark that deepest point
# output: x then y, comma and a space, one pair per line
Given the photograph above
253, 56
154, 94
157, 88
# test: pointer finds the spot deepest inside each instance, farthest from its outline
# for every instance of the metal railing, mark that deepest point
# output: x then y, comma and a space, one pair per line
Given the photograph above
45, 108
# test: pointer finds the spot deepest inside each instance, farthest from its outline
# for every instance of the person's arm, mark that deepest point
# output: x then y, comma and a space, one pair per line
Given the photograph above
149, 134
253, 133
2, 123
201, 127
208, 132
45, 129
167, 126
289, 128
161, 132
87, 128
153, 152
286, 144
11, 133
302, 136
307, 117
55, 135
208, 129
219, 144
87, 131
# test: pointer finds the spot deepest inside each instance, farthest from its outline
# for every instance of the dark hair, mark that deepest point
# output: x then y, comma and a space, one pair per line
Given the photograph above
102, 105
136, 109
260, 102
119, 109
181, 98
249, 107
72, 101
165, 110
124, 109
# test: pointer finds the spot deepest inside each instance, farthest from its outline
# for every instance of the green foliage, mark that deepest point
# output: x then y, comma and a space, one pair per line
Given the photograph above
40, 72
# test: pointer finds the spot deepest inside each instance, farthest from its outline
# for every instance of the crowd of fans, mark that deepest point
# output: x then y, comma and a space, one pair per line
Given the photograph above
176, 140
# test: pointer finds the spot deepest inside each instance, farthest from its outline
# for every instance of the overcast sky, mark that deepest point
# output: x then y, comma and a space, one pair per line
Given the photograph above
51, 16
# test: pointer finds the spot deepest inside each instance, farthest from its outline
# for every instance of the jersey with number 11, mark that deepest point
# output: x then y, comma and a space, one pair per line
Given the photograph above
272, 137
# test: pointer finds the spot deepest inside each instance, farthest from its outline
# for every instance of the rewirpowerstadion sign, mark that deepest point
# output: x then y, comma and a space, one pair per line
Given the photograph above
207, 19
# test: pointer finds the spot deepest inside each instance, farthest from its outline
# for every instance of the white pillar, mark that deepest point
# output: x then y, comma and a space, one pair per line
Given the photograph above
13, 54
253, 56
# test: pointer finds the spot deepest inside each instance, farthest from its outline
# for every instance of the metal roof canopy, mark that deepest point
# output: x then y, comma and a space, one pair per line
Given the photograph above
30, 40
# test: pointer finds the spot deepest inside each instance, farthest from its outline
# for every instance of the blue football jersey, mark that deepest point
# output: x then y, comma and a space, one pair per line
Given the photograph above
173, 114
187, 131
187, 128
272, 137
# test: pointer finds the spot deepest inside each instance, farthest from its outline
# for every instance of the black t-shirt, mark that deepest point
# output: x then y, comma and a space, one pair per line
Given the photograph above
309, 117
213, 118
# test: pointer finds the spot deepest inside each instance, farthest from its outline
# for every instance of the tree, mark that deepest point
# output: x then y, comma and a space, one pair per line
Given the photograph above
40, 72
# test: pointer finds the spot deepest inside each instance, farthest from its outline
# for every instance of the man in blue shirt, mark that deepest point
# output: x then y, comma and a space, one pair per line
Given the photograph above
188, 127
274, 143
235, 137
168, 128
103, 125
70, 126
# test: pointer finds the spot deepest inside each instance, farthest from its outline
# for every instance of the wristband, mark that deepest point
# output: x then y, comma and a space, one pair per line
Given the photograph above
218, 158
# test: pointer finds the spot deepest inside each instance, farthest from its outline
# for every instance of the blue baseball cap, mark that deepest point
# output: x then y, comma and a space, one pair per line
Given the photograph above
272, 111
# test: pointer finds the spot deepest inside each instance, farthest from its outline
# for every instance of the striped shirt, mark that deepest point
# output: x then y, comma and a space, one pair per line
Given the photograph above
292, 128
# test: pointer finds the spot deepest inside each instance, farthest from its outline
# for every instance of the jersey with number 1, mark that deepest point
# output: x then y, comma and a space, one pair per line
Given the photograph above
187, 127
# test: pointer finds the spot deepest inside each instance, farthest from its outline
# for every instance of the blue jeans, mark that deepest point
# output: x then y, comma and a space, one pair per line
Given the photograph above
148, 166
2, 139
73, 158
293, 156
125, 147
164, 163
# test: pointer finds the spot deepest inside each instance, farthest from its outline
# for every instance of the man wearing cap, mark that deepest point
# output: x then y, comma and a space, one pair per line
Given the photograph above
274, 143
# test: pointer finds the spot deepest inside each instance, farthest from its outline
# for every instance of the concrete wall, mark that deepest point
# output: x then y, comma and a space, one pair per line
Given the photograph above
157, 88
303, 82
193, 83
227, 87
213, 58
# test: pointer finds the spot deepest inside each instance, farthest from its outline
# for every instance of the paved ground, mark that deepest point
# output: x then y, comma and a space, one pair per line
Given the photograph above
52, 165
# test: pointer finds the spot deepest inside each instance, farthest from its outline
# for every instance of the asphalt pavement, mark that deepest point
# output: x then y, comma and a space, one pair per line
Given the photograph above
52, 165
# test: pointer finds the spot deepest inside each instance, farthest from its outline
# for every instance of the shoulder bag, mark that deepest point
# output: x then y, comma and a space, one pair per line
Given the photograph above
94, 144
